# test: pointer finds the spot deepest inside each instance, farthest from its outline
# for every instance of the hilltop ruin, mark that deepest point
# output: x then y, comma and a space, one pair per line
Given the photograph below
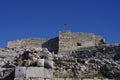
81, 56
66, 41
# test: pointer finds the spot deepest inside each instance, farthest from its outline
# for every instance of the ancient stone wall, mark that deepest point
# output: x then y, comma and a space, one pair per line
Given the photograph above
99, 40
26, 43
69, 41
66, 41
51, 44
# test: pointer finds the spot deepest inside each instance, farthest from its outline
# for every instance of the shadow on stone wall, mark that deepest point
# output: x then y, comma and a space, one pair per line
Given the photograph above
51, 45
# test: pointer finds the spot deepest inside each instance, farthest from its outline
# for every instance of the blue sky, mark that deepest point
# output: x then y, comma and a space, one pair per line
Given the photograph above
44, 18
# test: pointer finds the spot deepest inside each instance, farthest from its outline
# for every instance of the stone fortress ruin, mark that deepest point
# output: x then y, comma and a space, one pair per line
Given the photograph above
70, 56
66, 41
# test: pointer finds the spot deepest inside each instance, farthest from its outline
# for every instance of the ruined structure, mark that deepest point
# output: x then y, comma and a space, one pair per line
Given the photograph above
66, 41
50, 44
89, 58
69, 41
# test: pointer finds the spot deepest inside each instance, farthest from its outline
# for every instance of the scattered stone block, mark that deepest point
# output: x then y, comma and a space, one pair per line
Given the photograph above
88, 79
59, 79
73, 79
20, 72
48, 64
22, 79
37, 79
40, 62
48, 73
35, 72
18, 78
48, 79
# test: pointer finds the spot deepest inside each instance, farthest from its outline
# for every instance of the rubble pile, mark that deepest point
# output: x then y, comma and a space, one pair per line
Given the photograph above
40, 63
99, 61
26, 64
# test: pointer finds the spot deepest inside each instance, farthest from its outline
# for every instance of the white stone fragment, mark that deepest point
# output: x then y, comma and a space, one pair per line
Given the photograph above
48, 64
20, 72
22, 79
37, 79
40, 62
35, 72
48, 73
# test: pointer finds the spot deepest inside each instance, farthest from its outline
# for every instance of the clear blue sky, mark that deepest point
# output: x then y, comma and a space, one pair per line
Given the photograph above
44, 18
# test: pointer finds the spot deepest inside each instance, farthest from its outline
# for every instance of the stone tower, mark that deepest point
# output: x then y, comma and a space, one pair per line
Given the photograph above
69, 41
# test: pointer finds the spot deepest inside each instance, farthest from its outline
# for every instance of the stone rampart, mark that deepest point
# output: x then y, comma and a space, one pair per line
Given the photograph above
66, 41
70, 40
51, 44
26, 43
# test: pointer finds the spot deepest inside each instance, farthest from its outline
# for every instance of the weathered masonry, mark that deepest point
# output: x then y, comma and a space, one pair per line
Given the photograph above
66, 41
69, 41
50, 44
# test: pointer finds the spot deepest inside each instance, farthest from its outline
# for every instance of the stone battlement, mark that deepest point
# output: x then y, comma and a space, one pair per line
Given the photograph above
66, 41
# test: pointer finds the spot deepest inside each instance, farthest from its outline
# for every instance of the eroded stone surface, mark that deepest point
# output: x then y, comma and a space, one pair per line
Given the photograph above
20, 72
35, 72
48, 73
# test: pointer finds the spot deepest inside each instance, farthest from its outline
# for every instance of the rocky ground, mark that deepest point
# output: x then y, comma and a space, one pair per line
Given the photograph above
98, 61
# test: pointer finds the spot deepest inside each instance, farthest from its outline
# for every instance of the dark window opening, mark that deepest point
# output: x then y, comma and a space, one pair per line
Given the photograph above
102, 41
79, 44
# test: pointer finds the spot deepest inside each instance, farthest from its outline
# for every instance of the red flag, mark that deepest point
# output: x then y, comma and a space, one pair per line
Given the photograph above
65, 24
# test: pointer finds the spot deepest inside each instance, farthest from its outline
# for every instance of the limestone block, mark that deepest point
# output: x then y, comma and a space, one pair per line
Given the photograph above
72, 79
48, 64
37, 79
18, 79
88, 79
48, 79
48, 73
35, 72
58, 79
20, 72
96, 79
22, 79
40, 62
